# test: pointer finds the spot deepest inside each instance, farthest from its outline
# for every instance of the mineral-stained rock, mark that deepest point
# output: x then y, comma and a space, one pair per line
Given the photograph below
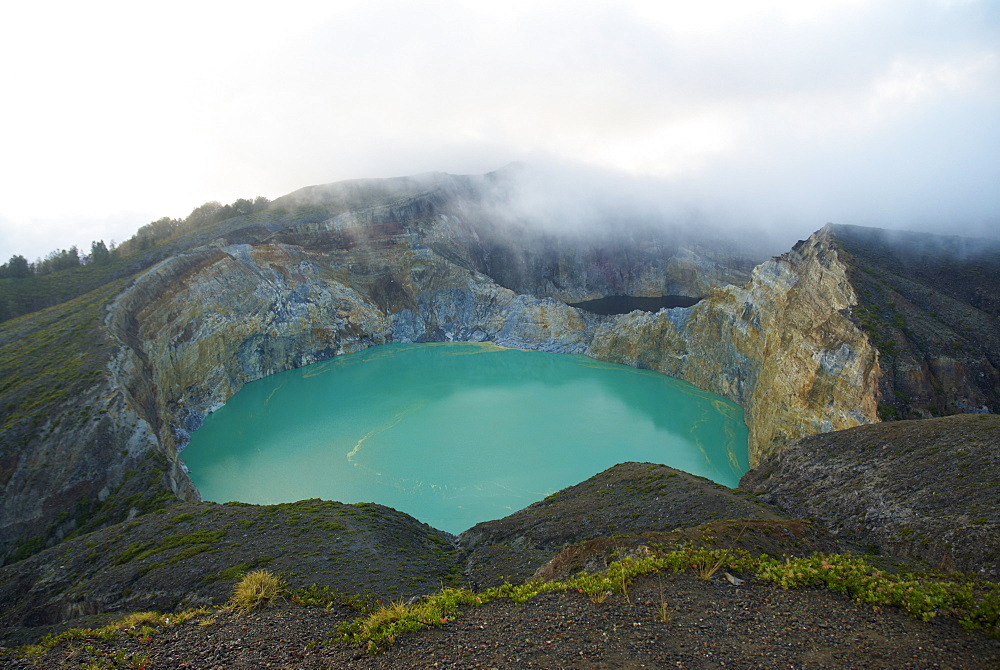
783, 346
334, 269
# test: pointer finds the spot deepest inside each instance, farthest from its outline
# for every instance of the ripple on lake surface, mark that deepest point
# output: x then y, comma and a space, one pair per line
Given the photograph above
456, 433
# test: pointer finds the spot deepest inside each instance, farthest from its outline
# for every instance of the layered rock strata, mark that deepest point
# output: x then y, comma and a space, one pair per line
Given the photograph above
784, 346
335, 269
194, 328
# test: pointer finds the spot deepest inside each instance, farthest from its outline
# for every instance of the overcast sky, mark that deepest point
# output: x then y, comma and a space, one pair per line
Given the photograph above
786, 113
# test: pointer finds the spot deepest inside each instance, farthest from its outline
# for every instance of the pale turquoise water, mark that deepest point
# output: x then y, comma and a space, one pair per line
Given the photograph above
454, 434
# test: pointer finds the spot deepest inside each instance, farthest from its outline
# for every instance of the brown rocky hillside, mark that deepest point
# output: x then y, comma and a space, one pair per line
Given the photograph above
925, 489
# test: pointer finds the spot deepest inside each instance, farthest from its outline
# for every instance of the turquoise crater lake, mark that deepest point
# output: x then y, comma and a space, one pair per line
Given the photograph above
456, 433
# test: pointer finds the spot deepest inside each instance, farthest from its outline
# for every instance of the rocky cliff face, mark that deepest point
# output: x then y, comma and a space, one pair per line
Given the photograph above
931, 304
783, 346
335, 269
74, 453
199, 326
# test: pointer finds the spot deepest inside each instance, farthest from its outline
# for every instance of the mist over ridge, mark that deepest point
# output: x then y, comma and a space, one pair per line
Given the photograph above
793, 206
773, 113
836, 330
572, 200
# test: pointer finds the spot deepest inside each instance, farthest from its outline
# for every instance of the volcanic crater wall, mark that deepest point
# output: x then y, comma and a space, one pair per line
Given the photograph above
203, 324
276, 294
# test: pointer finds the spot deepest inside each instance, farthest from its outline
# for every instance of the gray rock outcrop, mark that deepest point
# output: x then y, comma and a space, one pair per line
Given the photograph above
335, 269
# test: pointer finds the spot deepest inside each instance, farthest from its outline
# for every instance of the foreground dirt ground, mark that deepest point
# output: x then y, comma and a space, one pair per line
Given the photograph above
667, 621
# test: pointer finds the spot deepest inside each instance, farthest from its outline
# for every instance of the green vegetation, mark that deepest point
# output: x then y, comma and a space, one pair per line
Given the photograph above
150, 495
323, 596
25, 548
880, 324
49, 358
199, 539
975, 603
257, 589
233, 572
922, 597
139, 624
64, 274
237, 571
23, 295
380, 628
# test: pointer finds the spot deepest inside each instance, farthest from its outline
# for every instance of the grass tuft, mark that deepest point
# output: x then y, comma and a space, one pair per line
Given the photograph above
257, 589
137, 624
379, 629
923, 597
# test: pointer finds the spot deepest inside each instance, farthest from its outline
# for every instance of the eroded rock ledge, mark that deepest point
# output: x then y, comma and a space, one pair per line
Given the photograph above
335, 269
199, 326
196, 327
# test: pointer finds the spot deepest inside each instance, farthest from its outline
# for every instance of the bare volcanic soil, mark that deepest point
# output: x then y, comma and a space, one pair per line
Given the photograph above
192, 554
927, 490
667, 621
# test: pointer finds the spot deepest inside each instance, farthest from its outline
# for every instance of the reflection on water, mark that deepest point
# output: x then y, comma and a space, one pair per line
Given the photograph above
456, 433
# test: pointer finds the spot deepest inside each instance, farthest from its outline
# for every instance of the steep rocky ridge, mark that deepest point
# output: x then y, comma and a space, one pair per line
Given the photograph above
931, 304
926, 489
191, 554
334, 269
783, 346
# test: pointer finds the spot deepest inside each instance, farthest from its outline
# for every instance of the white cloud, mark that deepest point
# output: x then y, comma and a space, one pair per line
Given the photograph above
745, 106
